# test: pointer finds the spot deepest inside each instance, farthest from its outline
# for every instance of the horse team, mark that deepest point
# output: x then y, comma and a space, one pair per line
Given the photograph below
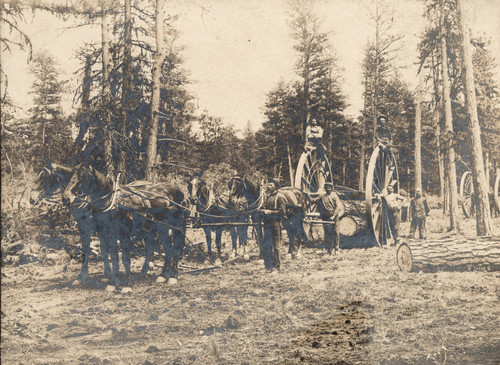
158, 214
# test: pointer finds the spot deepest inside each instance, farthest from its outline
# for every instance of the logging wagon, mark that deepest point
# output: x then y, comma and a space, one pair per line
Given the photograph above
314, 170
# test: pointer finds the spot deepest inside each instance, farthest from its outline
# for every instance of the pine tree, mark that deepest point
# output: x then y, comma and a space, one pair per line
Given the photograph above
53, 132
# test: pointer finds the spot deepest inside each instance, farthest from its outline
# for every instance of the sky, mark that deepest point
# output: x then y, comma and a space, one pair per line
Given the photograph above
238, 50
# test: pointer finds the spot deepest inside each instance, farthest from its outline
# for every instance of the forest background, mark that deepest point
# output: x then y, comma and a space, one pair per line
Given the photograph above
128, 115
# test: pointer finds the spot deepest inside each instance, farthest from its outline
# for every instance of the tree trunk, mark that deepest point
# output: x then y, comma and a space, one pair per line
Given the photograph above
481, 254
418, 134
290, 168
106, 92
87, 80
362, 153
483, 219
125, 102
451, 168
155, 98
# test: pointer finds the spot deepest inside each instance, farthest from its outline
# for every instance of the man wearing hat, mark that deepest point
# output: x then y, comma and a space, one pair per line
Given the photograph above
394, 202
331, 209
314, 133
419, 210
383, 136
274, 209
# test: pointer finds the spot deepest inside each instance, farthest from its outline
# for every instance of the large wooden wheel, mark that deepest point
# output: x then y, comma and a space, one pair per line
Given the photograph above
382, 171
466, 192
313, 171
496, 191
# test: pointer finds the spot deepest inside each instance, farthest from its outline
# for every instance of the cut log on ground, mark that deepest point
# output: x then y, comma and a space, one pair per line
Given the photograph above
450, 254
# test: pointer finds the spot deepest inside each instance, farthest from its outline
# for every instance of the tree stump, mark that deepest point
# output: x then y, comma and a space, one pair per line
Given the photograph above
450, 254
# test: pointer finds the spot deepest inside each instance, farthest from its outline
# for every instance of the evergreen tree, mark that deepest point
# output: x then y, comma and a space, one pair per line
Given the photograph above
52, 130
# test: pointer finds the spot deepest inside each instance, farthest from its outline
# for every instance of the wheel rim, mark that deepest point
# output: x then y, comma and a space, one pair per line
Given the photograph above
378, 178
313, 171
466, 193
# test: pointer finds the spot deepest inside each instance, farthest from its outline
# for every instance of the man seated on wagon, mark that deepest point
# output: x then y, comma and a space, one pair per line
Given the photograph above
314, 134
331, 209
383, 136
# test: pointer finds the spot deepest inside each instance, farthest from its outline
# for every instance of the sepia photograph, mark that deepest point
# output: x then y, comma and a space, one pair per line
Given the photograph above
249, 182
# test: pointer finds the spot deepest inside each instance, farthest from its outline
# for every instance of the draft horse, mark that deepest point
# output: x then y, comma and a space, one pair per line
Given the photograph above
123, 211
50, 185
212, 212
248, 194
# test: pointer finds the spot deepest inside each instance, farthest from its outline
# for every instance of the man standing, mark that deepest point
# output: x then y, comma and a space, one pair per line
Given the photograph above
274, 209
419, 210
394, 202
331, 209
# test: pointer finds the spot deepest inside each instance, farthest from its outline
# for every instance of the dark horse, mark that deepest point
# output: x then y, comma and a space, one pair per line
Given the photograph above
137, 210
212, 211
50, 185
250, 192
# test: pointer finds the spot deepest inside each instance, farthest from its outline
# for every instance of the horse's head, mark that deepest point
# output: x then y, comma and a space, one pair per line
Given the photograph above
78, 184
236, 186
198, 190
50, 182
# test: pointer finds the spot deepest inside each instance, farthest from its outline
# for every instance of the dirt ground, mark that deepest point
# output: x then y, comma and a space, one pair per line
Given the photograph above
352, 308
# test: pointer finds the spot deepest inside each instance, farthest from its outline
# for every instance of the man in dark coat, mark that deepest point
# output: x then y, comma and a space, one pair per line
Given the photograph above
331, 209
419, 210
274, 209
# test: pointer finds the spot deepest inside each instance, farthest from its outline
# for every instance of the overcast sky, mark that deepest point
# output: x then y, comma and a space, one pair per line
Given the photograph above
237, 50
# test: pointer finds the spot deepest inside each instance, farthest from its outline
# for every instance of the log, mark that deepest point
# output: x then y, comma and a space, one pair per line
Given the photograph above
450, 254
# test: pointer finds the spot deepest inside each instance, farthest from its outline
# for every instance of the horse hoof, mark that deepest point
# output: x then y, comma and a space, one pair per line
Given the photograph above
298, 255
246, 257
289, 255
105, 280
110, 288
160, 280
77, 282
172, 281
126, 289
233, 254
218, 261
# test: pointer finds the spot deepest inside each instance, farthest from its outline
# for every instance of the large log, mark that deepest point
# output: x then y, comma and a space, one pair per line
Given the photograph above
452, 254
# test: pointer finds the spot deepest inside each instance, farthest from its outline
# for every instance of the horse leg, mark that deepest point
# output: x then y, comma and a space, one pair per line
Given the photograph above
84, 223
104, 236
218, 242
125, 244
164, 237
208, 237
234, 241
243, 235
288, 225
257, 218
151, 245
178, 244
